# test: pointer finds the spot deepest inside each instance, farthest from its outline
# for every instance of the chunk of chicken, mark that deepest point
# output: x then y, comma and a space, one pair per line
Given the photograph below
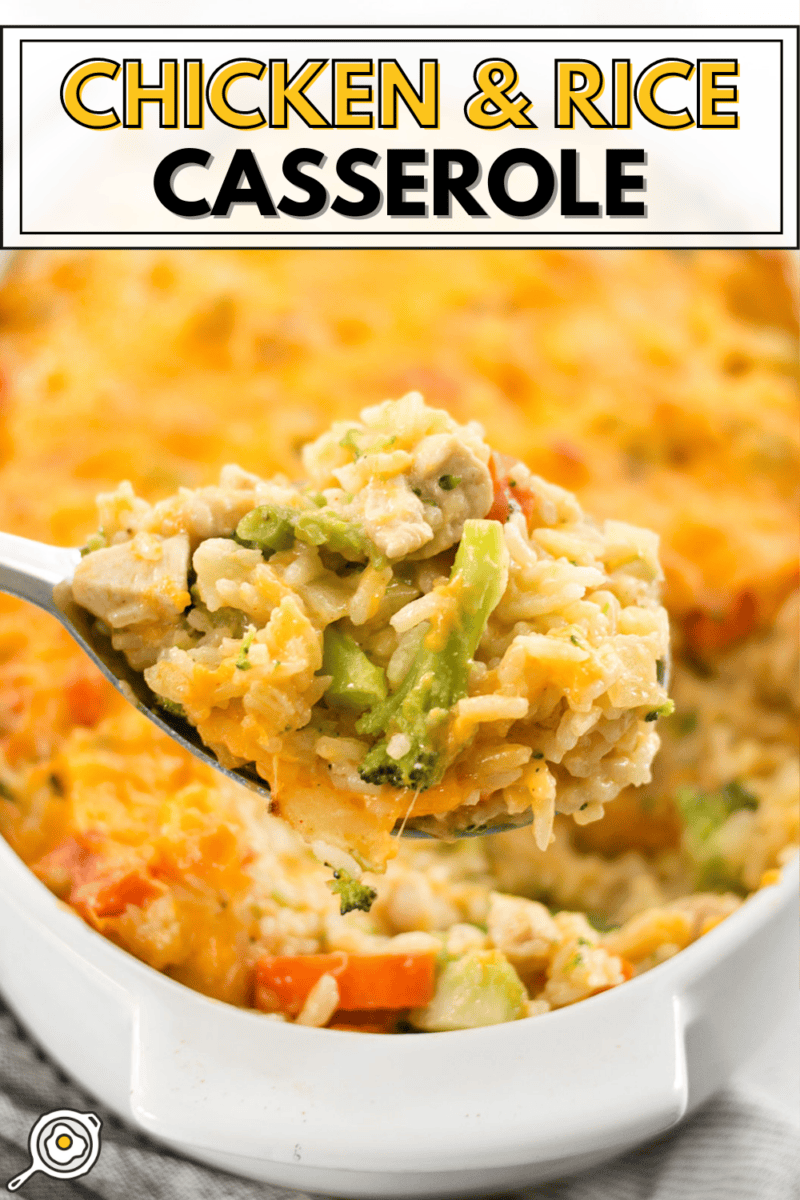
408, 475
206, 512
144, 579
214, 512
392, 516
453, 485
522, 929
223, 566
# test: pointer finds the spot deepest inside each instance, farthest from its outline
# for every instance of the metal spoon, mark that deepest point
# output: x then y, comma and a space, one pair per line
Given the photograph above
41, 574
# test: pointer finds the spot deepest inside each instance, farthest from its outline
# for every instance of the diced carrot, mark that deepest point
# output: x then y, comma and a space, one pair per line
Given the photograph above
507, 489
86, 697
648, 824
567, 464
387, 981
284, 981
219, 848
65, 866
524, 498
500, 505
108, 895
706, 632
365, 981
77, 872
376, 1020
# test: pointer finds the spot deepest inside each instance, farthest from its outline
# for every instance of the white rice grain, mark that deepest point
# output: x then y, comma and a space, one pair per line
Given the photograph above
414, 613
321, 1003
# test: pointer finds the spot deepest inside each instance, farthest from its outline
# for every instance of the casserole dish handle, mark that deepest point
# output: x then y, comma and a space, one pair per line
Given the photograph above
598, 1077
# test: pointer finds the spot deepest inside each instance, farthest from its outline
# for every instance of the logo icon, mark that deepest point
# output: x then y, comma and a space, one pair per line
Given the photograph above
62, 1144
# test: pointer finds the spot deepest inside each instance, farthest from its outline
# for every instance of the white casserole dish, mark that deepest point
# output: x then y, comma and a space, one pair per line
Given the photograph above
351, 1114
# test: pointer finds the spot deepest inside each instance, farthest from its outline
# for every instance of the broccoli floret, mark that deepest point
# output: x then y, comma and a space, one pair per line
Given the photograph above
356, 683
232, 619
352, 894
274, 527
411, 720
704, 814
480, 988
324, 527
268, 528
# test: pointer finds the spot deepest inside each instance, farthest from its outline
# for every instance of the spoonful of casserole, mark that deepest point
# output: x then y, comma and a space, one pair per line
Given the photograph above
420, 637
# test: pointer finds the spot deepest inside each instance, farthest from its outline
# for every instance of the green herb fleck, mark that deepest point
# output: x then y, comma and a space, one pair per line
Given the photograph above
661, 671
349, 442
242, 662
96, 541
448, 482
171, 706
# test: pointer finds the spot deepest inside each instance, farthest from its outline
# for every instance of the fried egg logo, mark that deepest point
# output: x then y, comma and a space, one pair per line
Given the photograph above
63, 1144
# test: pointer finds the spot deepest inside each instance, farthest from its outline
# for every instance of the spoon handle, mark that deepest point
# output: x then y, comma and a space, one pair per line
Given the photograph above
31, 570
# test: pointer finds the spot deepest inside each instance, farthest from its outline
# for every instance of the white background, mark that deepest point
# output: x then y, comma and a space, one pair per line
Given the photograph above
704, 186
776, 1068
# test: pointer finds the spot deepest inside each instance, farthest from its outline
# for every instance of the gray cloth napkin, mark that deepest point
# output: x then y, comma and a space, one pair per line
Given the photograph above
741, 1146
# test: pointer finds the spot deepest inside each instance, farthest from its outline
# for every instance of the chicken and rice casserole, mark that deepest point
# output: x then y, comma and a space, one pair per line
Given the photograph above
417, 633
650, 389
